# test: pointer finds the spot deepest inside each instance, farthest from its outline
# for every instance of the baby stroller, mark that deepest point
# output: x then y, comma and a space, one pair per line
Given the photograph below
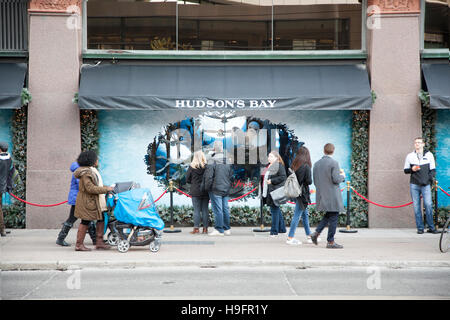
133, 218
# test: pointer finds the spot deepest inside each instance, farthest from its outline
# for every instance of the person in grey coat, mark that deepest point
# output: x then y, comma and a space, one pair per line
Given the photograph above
327, 176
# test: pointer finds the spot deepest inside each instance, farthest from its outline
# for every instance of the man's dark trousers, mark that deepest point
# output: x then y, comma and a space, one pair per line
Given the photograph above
330, 219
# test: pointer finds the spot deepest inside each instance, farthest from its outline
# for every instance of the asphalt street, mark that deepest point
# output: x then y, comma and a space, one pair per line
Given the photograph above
199, 283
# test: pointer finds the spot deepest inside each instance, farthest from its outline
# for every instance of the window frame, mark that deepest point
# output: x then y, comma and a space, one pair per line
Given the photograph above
434, 53
225, 55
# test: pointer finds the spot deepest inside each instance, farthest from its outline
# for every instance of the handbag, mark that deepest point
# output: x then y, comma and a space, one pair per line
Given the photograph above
292, 188
279, 196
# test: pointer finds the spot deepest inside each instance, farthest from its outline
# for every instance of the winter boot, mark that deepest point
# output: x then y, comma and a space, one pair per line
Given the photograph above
100, 244
63, 234
195, 231
80, 238
92, 233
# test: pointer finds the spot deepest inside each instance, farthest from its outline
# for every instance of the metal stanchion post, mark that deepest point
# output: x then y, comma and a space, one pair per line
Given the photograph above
436, 226
348, 228
261, 227
171, 229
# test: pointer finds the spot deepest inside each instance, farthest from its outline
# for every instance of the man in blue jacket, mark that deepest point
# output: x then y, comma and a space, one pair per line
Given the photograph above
6, 176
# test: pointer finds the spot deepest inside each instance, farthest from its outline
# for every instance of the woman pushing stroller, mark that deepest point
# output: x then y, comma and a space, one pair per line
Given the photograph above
91, 202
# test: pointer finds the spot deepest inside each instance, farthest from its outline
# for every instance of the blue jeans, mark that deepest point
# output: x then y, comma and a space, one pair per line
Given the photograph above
425, 191
221, 212
330, 219
278, 225
296, 218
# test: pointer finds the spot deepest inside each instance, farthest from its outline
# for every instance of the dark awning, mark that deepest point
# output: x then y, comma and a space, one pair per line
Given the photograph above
12, 77
437, 79
214, 87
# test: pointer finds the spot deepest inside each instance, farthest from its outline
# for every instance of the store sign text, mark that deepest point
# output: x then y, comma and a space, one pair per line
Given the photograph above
226, 104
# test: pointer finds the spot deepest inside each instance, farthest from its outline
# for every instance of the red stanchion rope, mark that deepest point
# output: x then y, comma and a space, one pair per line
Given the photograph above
37, 205
380, 205
165, 191
231, 200
244, 195
444, 191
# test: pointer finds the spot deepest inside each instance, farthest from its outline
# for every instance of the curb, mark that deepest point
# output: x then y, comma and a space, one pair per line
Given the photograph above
299, 264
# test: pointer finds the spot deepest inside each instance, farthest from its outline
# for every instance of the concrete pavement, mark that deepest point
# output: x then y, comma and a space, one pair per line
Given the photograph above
35, 249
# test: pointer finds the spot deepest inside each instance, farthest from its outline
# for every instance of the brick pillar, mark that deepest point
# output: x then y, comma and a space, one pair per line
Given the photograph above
53, 120
395, 120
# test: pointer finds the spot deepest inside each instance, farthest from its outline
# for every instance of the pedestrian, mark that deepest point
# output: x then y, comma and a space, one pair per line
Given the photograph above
200, 197
71, 200
217, 181
274, 178
421, 166
7, 171
302, 168
327, 176
91, 202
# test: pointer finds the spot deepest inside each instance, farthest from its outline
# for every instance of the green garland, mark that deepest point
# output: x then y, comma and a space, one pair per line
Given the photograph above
359, 168
89, 130
14, 214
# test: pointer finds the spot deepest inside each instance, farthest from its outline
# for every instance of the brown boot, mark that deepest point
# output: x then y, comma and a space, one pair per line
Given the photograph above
80, 238
205, 231
195, 231
99, 243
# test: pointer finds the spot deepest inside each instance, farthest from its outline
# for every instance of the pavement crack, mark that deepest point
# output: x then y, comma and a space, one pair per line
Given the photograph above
39, 286
289, 284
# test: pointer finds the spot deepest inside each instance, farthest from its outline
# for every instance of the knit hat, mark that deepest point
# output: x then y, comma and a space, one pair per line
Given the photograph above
3, 146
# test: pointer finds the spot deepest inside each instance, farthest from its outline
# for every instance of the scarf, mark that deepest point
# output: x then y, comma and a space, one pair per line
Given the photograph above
101, 197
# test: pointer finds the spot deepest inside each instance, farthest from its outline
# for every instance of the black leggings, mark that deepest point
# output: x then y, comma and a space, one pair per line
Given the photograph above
86, 222
71, 219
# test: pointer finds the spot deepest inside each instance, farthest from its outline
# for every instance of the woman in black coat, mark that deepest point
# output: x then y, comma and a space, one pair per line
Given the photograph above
200, 198
302, 168
274, 178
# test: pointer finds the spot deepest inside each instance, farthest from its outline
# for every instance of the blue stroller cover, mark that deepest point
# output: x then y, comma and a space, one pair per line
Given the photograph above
136, 206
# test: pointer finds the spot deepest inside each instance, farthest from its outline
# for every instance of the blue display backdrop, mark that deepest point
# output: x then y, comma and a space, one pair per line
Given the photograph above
126, 139
443, 155
6, 136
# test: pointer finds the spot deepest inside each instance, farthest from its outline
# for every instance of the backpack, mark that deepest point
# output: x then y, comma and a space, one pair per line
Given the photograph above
292, 188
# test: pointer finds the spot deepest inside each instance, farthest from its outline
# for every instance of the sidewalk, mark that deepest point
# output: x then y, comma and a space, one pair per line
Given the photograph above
25, 249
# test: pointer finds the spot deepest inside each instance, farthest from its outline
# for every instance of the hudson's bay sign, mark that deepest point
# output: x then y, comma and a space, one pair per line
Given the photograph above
225, 104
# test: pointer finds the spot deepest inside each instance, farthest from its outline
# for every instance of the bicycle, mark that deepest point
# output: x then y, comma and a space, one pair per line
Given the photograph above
444, 241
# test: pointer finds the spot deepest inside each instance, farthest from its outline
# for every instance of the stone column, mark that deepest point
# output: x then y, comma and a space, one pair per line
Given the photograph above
395, 120
53, 120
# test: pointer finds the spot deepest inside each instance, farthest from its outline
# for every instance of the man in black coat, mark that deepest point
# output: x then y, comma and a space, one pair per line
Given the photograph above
217, 181
6, 173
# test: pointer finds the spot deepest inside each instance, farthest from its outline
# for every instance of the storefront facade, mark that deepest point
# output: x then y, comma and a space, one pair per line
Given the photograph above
292, 71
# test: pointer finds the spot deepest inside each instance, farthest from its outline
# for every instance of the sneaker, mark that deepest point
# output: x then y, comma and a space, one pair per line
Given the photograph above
215, 233
419, 231
227, 232
433, 231
314, 236
274, 236
334, 245
293, 241
308, 238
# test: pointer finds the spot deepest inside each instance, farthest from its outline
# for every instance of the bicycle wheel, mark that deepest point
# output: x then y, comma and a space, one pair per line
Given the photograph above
444, 241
